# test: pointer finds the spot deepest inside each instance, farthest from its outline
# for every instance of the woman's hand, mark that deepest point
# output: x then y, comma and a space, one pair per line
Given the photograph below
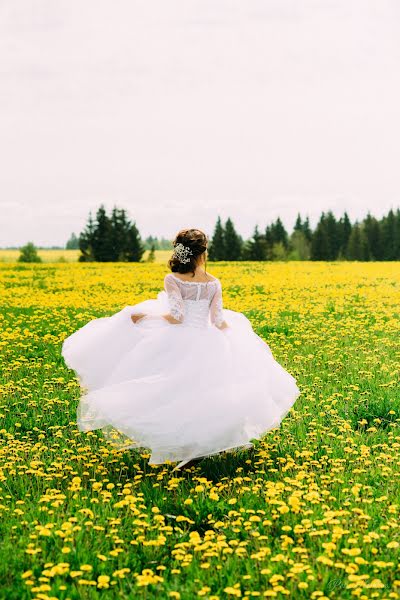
137, 317
171, 319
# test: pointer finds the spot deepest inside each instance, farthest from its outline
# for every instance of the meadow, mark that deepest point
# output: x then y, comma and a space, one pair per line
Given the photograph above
312, 511
62, 255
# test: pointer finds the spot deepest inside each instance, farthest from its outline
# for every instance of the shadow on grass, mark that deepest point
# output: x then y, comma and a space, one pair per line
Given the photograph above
214, 468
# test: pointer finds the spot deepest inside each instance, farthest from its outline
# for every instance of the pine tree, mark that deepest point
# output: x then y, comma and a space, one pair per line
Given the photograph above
217, 246
135, 249
269, 242
344, 231
319, 242
113, 238
86, 241
364, 244
279, 233
397, 235
307, 230
357, 248
102, 243
120, 225
372, 234
152, 254
388, 236
73, 243
298, 226
255, 248
28, 254
233, 242
331, 232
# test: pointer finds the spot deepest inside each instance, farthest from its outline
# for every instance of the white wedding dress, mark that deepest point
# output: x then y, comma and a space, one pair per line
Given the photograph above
183, 390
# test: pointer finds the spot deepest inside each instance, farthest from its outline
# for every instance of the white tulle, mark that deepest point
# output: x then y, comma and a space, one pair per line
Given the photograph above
181, 390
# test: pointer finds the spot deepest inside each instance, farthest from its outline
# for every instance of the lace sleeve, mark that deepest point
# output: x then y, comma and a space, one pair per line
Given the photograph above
216, 308
175, 302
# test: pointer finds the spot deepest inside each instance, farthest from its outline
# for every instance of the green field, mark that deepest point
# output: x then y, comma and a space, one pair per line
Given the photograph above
10, 256
312, 511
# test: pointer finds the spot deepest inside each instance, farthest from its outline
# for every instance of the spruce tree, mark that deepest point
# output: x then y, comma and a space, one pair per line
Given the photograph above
307, 230
372, 235
232, 242
135, 249
86, 241
102, 238
397, 235
331, 232
364, 244
298, 226
255, 248
72, 243
113, 238
388, 236
357, 245
217, 246
269, 242
152, 254
120, 225
319, 242
344, 231
279, 233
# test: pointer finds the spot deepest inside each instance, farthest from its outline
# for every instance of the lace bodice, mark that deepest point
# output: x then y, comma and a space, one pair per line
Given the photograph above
193, 302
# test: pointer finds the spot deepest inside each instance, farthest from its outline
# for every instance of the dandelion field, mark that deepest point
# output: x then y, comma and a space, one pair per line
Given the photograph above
312, 511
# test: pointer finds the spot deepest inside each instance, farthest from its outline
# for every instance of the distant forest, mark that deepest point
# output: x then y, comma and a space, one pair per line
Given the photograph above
115, 237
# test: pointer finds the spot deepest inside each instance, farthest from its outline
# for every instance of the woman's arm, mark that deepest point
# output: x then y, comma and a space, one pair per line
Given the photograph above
175, 302
216, 309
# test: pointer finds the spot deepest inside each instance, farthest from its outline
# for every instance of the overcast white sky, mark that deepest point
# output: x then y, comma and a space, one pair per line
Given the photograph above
180, 110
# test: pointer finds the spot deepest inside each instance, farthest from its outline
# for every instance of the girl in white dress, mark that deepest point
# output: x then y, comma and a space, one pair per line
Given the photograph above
179, 375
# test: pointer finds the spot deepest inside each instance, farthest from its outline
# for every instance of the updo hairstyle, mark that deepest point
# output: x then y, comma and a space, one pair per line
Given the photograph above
194, 239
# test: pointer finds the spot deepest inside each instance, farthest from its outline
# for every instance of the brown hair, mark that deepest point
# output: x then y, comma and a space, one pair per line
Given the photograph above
194, 239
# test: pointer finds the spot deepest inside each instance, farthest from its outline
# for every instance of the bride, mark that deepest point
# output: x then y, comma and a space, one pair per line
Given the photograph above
179, 374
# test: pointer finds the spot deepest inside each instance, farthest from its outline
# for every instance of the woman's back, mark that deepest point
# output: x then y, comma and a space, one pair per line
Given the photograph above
193, 302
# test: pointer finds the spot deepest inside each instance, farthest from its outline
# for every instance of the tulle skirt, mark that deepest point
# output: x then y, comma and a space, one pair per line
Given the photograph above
179, 391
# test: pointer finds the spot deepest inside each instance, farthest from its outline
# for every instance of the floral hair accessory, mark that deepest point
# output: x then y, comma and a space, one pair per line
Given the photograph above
182, 253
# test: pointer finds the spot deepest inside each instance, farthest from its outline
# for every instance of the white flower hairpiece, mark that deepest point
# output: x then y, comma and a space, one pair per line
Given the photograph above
182, 253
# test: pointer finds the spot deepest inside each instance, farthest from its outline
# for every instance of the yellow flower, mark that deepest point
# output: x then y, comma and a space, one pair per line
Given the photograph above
27, 574
232, 591
86, 568
103, 581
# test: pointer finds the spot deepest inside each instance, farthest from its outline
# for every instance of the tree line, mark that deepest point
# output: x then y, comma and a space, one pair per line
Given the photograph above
331, 239
149, 243
115, 237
